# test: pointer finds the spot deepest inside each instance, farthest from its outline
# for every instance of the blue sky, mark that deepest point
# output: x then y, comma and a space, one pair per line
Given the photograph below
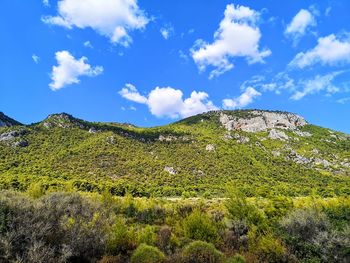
153, 62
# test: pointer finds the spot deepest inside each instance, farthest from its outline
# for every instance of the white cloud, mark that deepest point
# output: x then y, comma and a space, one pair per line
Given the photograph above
70, 69
301, 22
111, 18
88, 44
329, 50
246, 98
130, 92
237, 36
315, 85
35, 58
167, 32
46, 3
169, 102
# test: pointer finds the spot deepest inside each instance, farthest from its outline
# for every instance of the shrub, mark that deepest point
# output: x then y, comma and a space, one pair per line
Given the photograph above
121, 238
237, 236
303, 230
152, 215
199, 226
270, 249
236, 259
147, 254
147, 235
241, 210
202, 252
165, 240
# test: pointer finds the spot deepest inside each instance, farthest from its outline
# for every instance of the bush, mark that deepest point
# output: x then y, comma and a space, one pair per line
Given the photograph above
147, 235
270, 249
121, 239
147, 254
198, 226
202, 252
166, 241
56, 228
241, 210
152, 215
236, 259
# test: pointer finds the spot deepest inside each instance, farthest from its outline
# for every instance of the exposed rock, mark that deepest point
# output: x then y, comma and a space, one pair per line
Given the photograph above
210, 147
323, 162
261, 121
241, 139
299, 159
110, 139
278, 135
170, 169
227, 136
167, 138
276, 153
302, 134
21, 143
7, 136
92, 130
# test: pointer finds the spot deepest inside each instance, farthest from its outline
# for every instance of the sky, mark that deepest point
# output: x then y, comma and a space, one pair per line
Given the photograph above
154, 62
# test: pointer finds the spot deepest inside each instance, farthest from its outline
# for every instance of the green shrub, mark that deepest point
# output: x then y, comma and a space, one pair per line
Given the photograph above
147, 254
147, 235
236, 259
198, 226
111, 259
121, 238
202, 252
240, 209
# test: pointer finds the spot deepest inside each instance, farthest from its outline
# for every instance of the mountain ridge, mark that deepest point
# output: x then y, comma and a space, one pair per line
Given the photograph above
197, 156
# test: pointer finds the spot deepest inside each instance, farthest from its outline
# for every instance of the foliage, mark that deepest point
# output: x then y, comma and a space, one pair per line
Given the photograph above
202, 252
198, 226
147, 254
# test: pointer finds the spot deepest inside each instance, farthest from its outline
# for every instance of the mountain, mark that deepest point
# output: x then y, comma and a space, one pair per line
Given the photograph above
261, 152
6, 121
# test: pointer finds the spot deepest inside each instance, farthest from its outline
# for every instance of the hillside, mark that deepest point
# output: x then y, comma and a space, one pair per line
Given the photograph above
261, 152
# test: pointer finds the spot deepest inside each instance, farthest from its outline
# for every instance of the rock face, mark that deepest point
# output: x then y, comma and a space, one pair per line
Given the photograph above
257, 121
210, 148
6, 121
170, 170
278, 135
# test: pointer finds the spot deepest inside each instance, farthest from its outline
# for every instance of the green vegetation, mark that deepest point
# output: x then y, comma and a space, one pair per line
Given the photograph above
62, 155
72, 227
77, 191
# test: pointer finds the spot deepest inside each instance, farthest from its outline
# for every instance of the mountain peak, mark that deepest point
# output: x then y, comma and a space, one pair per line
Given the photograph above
6, 121
63, 120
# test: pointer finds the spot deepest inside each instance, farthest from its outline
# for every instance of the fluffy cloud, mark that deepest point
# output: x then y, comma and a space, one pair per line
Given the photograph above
316, 85
329, 50
130, 92
237, 36
70, 69
110, 18
46, 3
303, 20
169, 102
246, 98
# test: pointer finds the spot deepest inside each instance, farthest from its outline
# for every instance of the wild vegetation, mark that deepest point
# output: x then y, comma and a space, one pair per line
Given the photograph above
73, 227
191, 191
